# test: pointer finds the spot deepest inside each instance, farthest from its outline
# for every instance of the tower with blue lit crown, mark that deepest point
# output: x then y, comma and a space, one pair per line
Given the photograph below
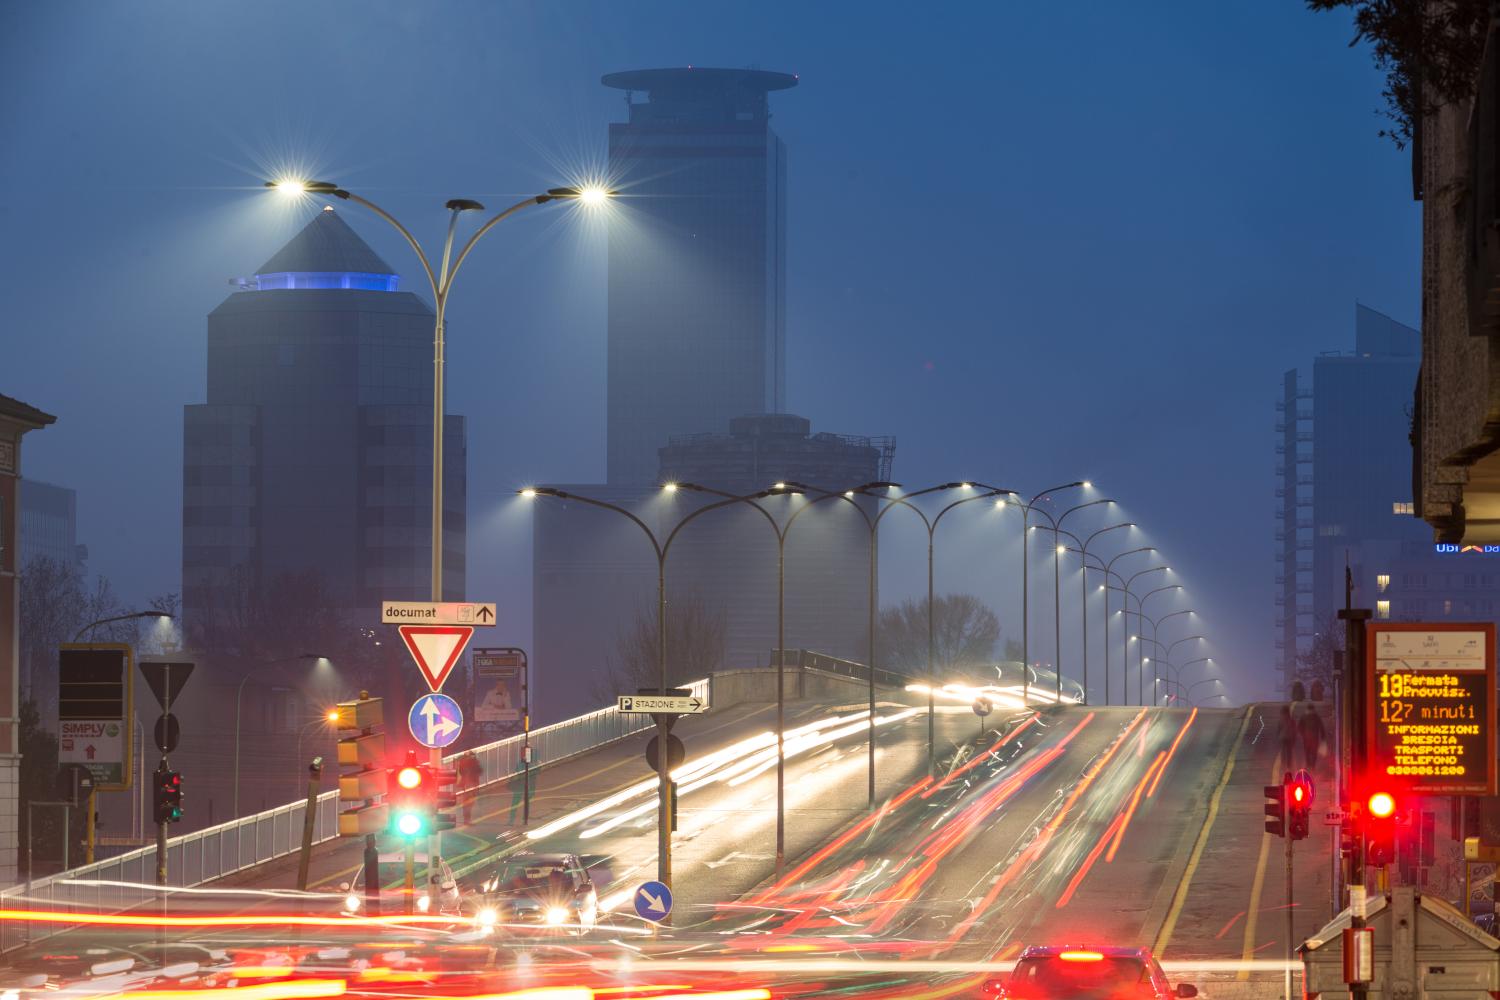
311, 456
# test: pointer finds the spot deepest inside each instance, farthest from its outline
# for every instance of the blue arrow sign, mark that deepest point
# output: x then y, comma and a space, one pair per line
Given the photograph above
653, 901
435, 720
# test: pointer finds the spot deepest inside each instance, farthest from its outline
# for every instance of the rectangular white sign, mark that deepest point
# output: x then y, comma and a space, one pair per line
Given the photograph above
436, 613
99, 745
646, 704
1335, 817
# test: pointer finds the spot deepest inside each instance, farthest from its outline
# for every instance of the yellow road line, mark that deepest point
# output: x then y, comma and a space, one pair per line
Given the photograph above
1248, 950
1180, 896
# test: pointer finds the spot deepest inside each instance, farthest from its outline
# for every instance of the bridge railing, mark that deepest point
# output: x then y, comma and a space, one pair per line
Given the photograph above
126, 881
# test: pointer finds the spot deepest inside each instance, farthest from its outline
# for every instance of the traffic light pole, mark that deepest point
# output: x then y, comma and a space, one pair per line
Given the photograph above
372, 877
1354, 740
1291, 922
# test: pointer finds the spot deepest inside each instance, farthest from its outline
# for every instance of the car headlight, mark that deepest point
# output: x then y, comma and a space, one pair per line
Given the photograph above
424, 903
351, 902
487, 916
557, 915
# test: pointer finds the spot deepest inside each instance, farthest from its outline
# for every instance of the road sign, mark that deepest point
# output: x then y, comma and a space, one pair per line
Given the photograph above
653, 901
982, 707
99, 746
1335, 817
96, 692
436, 648
435, 720
167, 732
652, 704
676, 753
436, 613
166, 679
1430, 695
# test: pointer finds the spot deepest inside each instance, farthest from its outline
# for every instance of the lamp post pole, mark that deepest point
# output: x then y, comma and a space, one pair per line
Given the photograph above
661, 549
1082, 548
1026, 510
1108, 569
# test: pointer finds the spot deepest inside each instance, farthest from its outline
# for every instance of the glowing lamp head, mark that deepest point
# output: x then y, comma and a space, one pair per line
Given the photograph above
290, 188
408, 824
1381, 805
408, 777
528, 493
332, 715
593, 197
669, 488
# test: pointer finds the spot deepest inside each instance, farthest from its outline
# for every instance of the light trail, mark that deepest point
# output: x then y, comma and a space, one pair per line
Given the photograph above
980, 758
300, 989
1135, 800
1181, 733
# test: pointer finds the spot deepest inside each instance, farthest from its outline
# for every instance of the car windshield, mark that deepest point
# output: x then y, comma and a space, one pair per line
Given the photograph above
1055, 976
526, 877
393, 875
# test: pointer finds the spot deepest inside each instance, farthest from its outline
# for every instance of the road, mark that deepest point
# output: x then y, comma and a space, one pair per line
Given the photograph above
1114, 825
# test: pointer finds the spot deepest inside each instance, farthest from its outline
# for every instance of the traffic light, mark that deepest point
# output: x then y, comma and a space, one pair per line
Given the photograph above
1299, 800
1380, 829
410, 799
363, 752
444, 797
1276, 809
167, 800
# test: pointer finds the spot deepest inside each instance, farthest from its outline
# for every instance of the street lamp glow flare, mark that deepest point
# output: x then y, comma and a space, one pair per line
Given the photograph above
593, 196
290, 188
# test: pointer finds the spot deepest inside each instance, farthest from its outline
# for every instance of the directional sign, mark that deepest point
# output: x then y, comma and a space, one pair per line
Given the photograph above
435, 720
652, 704
1335, 817
430, 613
95, 698
436, 648
653, 901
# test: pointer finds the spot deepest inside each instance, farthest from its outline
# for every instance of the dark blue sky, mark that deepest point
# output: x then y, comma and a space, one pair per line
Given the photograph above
1035, 242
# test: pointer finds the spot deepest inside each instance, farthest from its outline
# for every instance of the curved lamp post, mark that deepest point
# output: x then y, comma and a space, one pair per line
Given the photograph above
1026, 510
1108, 568
240, 690
440, 283
120, 618
1082, 548
661, 548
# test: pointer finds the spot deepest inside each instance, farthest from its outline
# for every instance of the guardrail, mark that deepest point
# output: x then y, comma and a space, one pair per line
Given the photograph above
127, 880
807, 659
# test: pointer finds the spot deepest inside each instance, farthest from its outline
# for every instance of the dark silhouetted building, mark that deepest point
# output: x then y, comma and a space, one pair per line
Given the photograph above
16, 420
313, 451
697, 263
49, 525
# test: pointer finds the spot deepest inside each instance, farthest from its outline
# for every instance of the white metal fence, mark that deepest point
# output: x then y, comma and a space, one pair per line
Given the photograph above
126, 881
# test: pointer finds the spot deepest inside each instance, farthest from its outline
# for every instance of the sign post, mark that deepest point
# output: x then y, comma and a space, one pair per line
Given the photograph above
502, 702
664, 706
166, 681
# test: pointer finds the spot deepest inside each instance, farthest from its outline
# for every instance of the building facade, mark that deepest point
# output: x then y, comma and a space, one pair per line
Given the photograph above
697, 260
16, 420
1344, 491
312, 453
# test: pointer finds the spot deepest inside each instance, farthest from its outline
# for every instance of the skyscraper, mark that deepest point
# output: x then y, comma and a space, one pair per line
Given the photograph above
697, 266
312, 454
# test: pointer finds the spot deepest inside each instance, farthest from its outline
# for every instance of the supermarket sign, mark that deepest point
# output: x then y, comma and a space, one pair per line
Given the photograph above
1430, 705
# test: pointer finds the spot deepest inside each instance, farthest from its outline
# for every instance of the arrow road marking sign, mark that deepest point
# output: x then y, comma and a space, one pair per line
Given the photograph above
653, 901
436, 648
436, 613
648, 704
435, 720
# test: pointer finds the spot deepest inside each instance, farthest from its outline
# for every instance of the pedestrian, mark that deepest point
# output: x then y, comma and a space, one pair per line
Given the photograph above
1311, 726
469, 774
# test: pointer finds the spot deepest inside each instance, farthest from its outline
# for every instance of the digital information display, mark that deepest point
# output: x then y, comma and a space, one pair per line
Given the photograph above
1430, 692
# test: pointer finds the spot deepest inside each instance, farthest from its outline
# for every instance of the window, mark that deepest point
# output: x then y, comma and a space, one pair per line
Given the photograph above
1447, 607
1383, 609
1383, 581
1406, 507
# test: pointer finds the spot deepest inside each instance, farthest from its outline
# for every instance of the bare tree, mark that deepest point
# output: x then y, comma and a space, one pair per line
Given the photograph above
1324, 657
964, 634
695, 647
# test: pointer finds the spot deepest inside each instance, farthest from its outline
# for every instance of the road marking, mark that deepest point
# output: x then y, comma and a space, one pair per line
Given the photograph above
1255, 889
1180, 896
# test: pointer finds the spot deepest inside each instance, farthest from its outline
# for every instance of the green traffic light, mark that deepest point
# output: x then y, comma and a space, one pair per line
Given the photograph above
409, 824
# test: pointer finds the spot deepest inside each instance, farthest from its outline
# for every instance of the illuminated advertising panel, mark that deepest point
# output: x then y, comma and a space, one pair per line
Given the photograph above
1430, 697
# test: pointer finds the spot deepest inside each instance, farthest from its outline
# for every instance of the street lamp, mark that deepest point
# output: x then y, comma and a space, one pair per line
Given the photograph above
240, 690
1082, 548
661, 549
441, 283
327, 718
120, 618
1108, 568
1026, 510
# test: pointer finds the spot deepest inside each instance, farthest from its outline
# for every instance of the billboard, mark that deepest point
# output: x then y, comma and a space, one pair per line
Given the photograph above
1430, 705
95, 696
500, 688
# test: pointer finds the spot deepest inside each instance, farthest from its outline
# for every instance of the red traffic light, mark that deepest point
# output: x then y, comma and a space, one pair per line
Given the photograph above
1299, 794
409, 777
1381, 805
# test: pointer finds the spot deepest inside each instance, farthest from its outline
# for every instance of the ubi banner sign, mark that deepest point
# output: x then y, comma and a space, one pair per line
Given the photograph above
1430, 705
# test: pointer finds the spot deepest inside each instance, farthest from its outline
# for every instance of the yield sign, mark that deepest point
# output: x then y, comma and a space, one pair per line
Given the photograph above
436, 648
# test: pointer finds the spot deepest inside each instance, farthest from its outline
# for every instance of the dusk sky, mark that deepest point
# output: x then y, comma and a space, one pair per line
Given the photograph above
1034, 242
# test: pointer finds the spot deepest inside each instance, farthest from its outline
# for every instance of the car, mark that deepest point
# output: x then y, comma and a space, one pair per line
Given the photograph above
550, 890
442, 896
1079, 972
